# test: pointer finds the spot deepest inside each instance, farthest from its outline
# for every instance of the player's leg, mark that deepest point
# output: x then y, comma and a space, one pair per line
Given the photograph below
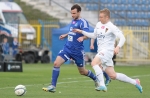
88, 73
108, 80
61, 58
79, 61
99, 73
122, 77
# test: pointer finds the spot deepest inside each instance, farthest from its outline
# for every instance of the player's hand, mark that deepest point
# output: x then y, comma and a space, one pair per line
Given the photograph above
77, 30
92, 47
116, 51
62, 37
80, 39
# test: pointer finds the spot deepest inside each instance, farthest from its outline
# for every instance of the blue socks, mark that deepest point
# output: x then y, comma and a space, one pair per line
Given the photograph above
56, 71
55, 75
106, 76
91, 75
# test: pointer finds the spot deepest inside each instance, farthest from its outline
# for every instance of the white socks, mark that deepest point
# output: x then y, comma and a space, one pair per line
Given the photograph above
124, 78
99, 74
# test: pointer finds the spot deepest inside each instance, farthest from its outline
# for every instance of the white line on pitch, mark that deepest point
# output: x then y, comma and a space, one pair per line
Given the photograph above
71, 81
87, 77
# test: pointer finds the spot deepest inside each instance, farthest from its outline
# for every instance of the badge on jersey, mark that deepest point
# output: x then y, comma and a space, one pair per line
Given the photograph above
106, 30
102, 27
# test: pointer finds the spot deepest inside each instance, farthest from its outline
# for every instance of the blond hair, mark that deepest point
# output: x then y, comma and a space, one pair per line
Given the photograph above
105, 11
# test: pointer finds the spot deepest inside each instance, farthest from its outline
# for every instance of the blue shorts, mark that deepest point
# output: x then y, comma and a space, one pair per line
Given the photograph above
76, 54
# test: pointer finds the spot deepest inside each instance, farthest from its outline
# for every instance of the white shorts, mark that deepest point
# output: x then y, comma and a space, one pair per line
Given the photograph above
106, 58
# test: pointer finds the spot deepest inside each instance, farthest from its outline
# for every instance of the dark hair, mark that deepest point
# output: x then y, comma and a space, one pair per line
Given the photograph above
76, 6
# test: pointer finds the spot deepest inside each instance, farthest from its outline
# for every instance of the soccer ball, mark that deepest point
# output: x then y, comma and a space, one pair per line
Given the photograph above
20, 90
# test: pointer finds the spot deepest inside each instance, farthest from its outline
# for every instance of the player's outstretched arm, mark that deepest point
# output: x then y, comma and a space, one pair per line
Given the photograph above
82, 38
89, 35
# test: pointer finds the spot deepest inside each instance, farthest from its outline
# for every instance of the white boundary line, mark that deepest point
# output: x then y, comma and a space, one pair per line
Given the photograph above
73, 81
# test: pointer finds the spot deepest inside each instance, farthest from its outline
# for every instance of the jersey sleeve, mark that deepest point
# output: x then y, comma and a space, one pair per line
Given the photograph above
90, 35
120, 35
84, 25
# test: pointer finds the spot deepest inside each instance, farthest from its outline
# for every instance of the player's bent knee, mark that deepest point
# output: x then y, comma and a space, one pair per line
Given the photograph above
112, 76
93, 63
56, 64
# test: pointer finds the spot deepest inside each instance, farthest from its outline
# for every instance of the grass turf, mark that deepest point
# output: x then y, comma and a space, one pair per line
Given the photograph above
70, 83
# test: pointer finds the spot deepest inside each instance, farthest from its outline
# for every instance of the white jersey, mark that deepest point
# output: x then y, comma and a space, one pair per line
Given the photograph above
106, 35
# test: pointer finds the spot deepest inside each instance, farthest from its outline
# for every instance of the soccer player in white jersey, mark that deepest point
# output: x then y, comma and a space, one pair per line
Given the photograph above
107, 78
106, 33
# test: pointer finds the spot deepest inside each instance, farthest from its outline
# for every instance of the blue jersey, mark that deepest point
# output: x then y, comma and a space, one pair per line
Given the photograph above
73, 48
72, 41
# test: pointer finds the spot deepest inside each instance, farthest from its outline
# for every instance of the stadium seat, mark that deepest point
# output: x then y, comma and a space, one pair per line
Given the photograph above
137, 7
84, 1
130, 15
131, 2
144, 7
123, 7
122, 14
140, 15
146, 22
123, 1
77, 1
115, 15
109, 6
145, 15
104, 1
117, 1
129, 22
116, 22
144, 1
138, 2
129, 7
88, 6
148, 2
148, 7
136, 22
95, 1
92, 7
136, 15
116, 7
122, 22
142, 23
110, 1
95, 7
148, 15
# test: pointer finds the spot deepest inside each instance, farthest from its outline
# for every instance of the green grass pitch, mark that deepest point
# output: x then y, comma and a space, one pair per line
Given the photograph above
71, 84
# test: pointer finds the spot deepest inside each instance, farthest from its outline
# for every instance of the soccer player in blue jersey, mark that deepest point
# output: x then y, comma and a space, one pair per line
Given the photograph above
73, 49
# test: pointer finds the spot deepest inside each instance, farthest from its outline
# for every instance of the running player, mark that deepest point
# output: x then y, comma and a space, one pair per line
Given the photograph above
106, 33
73, 49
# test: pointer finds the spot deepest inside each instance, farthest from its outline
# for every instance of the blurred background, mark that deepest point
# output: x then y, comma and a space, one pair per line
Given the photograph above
37, 25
